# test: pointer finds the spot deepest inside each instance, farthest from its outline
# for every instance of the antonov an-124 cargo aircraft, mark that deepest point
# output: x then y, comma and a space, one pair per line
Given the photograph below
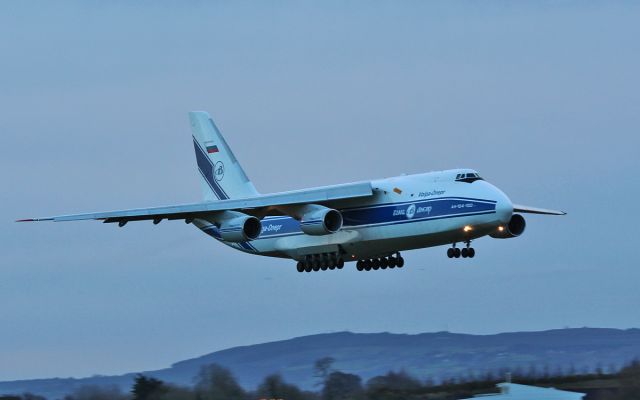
322, 228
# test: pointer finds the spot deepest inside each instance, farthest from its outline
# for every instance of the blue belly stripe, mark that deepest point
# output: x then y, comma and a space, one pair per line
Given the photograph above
214, 232
420, 210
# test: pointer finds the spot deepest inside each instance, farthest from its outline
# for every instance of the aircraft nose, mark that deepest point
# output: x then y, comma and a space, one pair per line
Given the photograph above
504, 206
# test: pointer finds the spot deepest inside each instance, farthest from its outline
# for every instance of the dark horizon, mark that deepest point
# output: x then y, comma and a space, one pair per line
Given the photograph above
430, 357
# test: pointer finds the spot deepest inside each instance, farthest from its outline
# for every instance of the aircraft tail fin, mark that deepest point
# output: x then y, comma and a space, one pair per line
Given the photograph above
221, 175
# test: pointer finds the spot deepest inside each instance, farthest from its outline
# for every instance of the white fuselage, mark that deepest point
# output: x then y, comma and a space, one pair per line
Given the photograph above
406, 212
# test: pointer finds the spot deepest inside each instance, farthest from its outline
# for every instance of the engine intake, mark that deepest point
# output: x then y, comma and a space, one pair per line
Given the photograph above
240, 229
514, 228
321, 221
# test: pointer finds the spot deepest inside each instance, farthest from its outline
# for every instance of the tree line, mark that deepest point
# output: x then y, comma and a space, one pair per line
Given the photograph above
215, 382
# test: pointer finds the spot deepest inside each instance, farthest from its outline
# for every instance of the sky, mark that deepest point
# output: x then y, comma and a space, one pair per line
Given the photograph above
542, 98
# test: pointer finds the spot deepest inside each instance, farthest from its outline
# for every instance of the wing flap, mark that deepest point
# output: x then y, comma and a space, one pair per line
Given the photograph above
535, 210
251, 204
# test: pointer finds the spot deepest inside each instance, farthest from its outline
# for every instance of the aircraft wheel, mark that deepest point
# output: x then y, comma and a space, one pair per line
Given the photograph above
300, 266
332, 266
340, 263
359, 265
307, 267
315, 264
456, 253
450, 252
375, 264
464, 253
327, 261
472, 252
385, 263
367, 265
400, 262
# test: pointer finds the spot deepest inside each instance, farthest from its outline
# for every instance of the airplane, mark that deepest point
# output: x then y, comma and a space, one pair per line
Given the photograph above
321, 228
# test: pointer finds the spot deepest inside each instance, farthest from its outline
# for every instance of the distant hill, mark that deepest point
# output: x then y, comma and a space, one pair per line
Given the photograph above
428, 355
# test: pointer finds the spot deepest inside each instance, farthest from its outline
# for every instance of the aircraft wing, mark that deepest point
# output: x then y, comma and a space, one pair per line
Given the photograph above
261, 205
535, 210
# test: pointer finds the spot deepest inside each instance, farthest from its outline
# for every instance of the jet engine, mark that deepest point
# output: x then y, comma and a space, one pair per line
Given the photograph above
321, 221
239, 228
514, 228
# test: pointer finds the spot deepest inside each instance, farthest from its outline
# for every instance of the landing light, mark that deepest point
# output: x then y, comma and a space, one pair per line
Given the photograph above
467, 228
501, 228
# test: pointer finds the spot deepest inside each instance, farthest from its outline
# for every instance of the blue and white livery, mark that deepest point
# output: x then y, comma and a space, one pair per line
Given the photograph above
322, 228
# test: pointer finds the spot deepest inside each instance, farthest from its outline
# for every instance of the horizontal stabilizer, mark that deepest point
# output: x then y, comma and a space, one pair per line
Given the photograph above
535, 210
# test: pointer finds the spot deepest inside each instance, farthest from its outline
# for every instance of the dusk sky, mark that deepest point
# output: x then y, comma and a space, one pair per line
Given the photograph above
542, 98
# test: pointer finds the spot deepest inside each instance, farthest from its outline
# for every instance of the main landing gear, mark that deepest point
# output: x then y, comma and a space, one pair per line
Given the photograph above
317, 262
380, 263
454, 252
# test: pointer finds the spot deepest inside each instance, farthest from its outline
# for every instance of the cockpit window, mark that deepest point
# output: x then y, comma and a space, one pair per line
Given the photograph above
468, 177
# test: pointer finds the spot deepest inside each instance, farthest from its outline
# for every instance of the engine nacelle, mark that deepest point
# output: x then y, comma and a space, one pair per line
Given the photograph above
240, 228
321, 221
514, 228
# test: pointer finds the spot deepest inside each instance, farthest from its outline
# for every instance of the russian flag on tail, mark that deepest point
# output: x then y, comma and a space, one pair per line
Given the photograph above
212, 149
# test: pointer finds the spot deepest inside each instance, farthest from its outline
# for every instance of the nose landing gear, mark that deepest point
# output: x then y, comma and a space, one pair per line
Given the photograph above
466, 252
